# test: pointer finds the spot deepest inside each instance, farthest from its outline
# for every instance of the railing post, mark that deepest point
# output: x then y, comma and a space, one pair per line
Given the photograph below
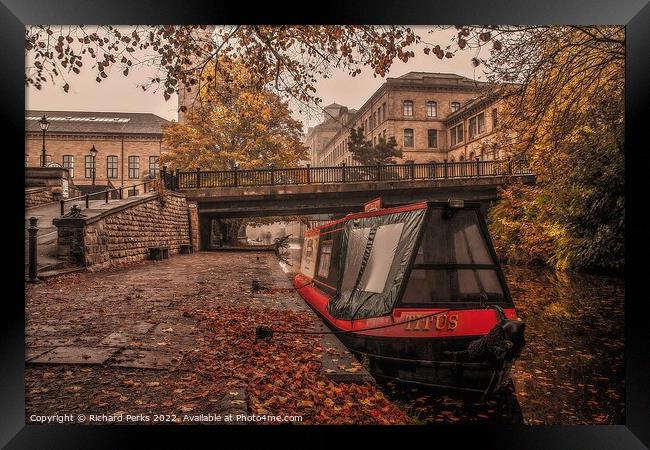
198, 177
236, 176
446, 173
412, 164
343, 171
32, 231
144, 187
308, 174
478, 167
87, 200
163, 175
176, 180
62, 202
272, 169
378, 172
121, 192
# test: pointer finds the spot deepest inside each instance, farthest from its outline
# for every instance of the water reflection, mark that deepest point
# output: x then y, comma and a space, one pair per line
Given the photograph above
571, 370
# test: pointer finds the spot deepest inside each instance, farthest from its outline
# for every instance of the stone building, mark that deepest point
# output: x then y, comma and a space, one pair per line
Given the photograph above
423, 111
335, 117
128, 145
472, 131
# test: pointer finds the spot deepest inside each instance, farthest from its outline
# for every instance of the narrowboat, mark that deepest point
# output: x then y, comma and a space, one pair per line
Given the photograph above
417, 292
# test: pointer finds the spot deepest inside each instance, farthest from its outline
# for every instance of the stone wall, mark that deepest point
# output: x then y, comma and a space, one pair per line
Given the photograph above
193, 211
38, 196
124, 235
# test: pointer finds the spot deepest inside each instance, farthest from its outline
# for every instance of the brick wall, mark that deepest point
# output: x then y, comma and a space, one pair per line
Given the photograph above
78, 147
38, 196
125, 235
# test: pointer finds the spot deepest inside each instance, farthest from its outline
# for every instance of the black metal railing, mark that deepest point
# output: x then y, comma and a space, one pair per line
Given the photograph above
343, 174
109, 194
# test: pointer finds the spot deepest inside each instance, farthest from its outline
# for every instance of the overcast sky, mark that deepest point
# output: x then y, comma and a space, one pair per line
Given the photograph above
119, 94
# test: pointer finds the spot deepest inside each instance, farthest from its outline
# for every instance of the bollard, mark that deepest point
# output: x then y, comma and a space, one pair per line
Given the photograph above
33, 246
62, 202
106, 197
87, 200
121, 193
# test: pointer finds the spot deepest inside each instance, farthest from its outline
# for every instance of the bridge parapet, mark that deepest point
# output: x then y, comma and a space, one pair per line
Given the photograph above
344, 174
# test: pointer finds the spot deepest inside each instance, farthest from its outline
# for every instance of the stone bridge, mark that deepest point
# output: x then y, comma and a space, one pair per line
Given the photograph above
336, 190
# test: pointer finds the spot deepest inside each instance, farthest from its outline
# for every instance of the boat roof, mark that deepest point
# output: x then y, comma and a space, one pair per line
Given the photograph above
382, 212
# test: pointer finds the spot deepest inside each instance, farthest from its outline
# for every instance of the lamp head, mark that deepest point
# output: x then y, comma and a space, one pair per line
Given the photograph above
44, 123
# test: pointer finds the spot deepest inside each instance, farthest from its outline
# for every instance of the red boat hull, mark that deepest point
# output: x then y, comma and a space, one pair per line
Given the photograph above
424, 351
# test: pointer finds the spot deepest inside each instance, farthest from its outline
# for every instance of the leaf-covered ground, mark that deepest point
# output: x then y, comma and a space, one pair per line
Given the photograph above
200, 310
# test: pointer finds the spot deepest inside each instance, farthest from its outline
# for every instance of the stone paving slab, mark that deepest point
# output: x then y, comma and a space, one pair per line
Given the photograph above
148, 359
51, 342
33, 352
115, 340
139, 327
75, 355
234, 402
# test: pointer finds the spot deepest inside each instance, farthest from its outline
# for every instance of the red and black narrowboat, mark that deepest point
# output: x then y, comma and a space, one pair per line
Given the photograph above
418, 291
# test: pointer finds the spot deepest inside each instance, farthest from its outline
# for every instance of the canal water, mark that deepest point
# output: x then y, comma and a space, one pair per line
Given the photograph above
571, 370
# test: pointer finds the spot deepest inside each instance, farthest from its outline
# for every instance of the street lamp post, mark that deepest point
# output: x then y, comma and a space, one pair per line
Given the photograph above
44, 124
93, 154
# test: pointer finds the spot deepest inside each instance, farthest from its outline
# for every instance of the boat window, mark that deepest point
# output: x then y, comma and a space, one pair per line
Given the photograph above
453, 263
325, 258
356, 247
451, 286
453, 237
381, 258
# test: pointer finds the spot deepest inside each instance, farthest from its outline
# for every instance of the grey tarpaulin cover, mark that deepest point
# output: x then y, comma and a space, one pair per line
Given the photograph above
376, 253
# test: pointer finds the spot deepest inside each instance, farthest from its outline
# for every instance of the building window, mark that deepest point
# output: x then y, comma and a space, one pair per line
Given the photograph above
89, 166
48, 159
494, 119
111, 166
383, 109
456, 134
68, 163
408, 108
476, 125
472, 127
134, 167
455, 106
408, 137
432, 109
374, 119
432, 136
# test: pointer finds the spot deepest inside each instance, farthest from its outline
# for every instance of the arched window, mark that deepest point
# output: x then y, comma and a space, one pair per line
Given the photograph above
462, 158
452, 159
471, 156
